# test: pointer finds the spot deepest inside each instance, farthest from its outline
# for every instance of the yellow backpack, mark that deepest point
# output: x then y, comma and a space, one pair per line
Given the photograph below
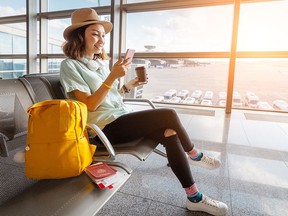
57, 144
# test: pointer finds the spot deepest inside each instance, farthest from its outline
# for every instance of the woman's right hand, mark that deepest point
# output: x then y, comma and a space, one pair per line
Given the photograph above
120, 68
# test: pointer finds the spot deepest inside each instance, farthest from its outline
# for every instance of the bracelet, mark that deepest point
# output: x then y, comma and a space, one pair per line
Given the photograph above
106, 85
126, 90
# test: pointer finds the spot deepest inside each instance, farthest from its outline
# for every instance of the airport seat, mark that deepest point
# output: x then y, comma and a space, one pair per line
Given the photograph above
22, 196
14, 101
71, 196
76, 196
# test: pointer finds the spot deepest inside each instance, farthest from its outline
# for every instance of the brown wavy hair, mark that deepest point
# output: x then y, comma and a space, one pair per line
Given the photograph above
75, 45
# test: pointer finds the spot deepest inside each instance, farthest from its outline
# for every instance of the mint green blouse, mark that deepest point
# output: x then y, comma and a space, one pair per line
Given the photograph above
74, 75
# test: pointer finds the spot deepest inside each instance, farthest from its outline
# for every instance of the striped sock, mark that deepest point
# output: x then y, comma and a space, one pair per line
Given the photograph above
196, 155
193, 194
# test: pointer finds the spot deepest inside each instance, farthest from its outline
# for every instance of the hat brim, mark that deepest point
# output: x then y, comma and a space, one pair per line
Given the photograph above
107, 27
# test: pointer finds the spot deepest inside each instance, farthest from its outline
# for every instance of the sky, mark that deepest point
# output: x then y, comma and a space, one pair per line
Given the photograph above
262, 26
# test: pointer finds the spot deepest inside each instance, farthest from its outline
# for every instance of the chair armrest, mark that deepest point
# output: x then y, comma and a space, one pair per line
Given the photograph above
94, 130
137, 100
3, 146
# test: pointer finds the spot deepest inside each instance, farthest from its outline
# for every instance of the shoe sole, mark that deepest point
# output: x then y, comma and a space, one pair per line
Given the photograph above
201, 210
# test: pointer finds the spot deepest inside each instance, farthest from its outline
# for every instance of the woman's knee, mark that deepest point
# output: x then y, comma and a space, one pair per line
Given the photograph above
169, 132
170, 112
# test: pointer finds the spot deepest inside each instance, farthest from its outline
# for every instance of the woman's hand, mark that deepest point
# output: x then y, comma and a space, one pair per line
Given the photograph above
134, 83
119, 69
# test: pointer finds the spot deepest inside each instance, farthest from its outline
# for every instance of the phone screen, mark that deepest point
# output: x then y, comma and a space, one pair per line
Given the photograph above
129, 54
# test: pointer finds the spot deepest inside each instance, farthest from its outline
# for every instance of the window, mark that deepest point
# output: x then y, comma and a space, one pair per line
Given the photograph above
12, 68
201, 79
5, 42
12, 7
54, 65
55, 34
203, 29
56, 5
12, 39
263, 26
265, 78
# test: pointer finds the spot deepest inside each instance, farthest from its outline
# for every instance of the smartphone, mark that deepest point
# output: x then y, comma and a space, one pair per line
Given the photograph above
129, 54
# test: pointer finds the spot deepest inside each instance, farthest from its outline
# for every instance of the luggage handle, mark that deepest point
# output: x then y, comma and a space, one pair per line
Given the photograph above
64, 113
44, 103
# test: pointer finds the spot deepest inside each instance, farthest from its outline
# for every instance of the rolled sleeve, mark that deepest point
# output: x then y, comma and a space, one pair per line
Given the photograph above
71, 79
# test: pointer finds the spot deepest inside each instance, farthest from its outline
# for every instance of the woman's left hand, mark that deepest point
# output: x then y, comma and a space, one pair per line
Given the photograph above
134, 83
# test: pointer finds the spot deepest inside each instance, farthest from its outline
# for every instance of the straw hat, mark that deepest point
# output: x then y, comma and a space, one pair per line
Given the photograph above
85, 16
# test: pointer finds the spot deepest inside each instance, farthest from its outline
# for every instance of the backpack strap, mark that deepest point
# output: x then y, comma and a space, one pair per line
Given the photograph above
82, 113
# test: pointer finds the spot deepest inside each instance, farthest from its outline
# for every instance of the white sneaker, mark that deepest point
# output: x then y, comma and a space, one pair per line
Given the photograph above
206, 162
208, 205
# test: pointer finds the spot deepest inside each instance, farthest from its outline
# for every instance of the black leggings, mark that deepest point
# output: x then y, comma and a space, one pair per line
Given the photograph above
152, 124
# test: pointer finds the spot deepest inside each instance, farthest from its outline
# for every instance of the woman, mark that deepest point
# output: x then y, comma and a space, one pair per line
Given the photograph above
85, 76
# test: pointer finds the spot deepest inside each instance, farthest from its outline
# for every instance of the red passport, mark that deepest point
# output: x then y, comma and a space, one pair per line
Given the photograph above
100, 170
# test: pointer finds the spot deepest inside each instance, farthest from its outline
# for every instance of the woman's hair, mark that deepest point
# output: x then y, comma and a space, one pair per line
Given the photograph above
74, 47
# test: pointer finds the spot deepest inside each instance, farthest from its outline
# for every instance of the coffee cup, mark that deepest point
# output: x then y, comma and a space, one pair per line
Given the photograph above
141, 74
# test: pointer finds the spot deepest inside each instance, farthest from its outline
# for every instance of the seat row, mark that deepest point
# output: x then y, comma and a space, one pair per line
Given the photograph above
71, 196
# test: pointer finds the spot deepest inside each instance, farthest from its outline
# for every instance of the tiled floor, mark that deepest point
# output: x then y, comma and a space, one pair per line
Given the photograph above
253, 178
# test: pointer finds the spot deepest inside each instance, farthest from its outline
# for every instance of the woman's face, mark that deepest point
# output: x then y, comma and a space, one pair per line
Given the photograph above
94, 39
